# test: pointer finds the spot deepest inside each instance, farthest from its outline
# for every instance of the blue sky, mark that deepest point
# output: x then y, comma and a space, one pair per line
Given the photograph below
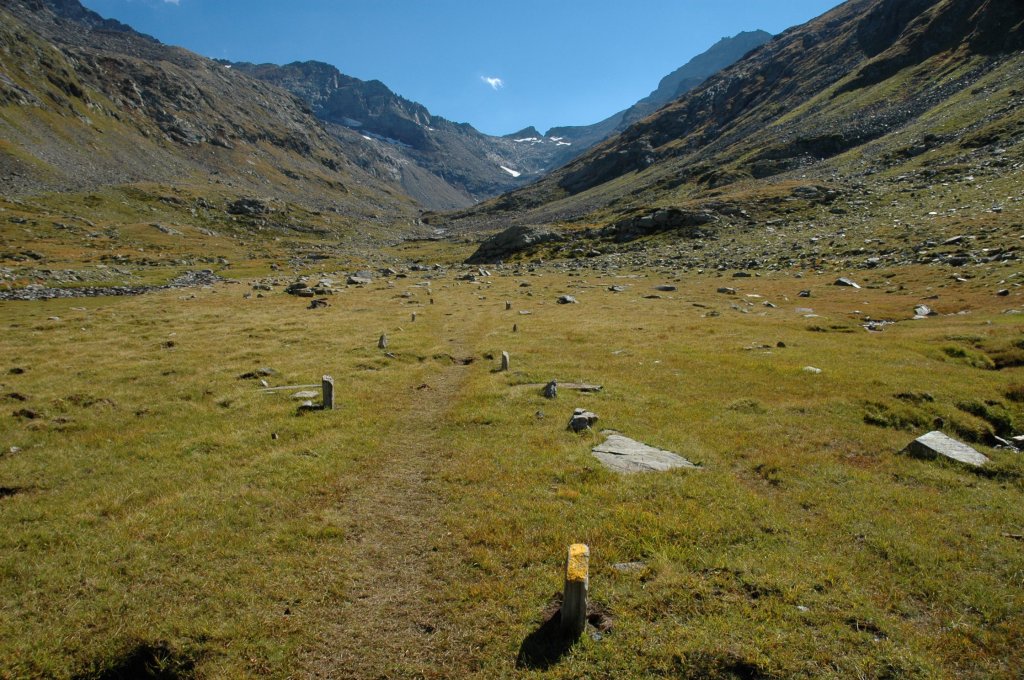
500, 66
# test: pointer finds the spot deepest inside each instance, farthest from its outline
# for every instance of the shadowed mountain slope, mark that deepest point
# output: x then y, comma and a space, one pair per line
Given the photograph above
87, 102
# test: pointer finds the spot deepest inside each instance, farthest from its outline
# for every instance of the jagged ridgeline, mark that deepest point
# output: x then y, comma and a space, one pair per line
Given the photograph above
136, 110
447, 165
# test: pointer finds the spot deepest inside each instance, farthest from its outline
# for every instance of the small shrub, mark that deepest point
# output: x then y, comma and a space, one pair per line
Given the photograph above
1015, 393
746, 405
976, 359
994, 414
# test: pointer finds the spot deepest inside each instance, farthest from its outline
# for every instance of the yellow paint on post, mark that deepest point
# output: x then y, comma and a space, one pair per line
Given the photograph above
574, 598
577, 567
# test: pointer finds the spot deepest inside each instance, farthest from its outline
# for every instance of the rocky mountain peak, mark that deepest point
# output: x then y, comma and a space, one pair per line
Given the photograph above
73, 10
526, 133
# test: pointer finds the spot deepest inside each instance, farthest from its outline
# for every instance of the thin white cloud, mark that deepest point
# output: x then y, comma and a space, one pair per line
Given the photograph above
173, 2
495, 82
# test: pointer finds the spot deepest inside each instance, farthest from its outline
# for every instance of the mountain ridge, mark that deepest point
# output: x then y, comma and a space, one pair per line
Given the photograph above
470, 165
869, 86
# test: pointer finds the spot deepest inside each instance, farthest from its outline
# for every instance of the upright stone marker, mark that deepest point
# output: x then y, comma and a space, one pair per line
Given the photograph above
551, 390
508, 305
414, 316
574, 598
327, 385
383, 342
504, 361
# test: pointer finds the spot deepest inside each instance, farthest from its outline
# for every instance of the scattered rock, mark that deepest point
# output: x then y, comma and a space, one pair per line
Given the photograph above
170, 231
804, 294
623, 454
665, 288
318, 304
581, 420
849, 283
306, 394
812, 370
922, 311
725, 290
355, 280
551, 390
382, 343
566, 300
935, 443
1002, 292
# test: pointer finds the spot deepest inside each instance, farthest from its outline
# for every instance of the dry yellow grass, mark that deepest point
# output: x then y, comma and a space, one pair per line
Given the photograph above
420, 529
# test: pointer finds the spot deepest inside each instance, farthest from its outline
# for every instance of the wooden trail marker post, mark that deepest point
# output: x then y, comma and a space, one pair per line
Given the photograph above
327, 385
574, 597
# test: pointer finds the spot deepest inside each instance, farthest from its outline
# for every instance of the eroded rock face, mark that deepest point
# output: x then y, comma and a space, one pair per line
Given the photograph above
687, 222
509, 242
250, 207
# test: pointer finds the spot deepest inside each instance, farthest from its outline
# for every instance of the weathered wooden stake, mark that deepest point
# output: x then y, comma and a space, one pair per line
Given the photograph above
574, 598
383, 342
504, 361
327, 385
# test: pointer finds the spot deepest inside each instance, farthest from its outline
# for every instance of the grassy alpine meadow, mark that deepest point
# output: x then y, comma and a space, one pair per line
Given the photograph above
163, 515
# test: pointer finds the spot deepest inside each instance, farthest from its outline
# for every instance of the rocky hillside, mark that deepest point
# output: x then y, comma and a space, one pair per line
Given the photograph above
440, 163
841, 116
87, 103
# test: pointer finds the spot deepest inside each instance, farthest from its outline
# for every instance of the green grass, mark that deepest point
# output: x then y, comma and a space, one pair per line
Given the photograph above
419, 529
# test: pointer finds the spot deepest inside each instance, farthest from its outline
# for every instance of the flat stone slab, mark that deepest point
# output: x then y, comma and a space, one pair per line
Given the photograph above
935, 444
626, 455
306, 394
